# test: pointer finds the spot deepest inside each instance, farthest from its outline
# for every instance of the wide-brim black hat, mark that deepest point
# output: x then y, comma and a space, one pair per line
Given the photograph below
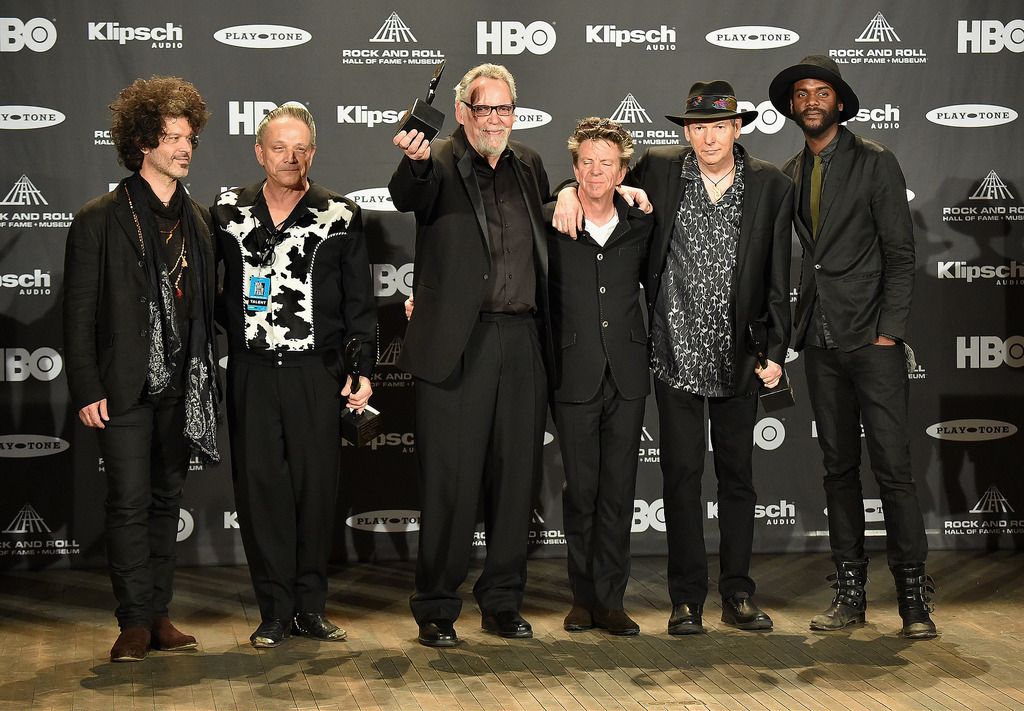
813, 67
711, 101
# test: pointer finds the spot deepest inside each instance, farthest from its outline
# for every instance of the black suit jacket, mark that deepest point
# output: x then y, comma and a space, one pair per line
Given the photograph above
861, 267
106, 315
760, 291
453, 260
596, 316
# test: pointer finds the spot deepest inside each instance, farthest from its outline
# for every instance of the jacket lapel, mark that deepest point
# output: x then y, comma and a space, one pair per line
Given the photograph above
528, 186
752, 189
673, 196
835, 181
465, 167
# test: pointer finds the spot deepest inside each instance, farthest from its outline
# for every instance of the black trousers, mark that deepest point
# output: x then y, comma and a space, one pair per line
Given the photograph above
598, 440
146, 456
682, 422
869, 386
479, 435
284, 428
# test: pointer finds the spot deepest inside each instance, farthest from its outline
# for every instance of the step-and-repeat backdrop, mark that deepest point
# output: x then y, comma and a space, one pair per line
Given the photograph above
939, 83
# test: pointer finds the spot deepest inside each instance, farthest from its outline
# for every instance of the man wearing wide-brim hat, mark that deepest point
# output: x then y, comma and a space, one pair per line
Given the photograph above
856, 284
718, 262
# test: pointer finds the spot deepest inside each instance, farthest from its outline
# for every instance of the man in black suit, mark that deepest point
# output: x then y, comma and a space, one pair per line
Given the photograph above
719, 261
138, 343
474, 348
856, 284
601, 378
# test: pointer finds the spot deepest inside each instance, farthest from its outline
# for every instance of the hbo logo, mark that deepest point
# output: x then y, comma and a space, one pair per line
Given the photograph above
648, 515
38, 34
989, 351
514, 37
42, 364
989, 36
768, 120
387, 279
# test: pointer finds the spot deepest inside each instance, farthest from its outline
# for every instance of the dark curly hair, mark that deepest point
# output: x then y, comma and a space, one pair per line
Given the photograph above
140, 109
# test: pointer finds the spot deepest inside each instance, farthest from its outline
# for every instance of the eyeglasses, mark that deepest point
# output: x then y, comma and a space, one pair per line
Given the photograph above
484, 110
172, 139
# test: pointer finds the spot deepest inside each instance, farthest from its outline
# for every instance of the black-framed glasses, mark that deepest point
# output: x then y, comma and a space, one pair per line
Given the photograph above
172, 139
484, 110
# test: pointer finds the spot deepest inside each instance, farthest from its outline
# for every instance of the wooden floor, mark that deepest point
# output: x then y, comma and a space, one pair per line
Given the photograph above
56, 629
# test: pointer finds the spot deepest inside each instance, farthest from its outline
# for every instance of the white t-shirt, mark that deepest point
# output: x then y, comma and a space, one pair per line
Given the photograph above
601, 233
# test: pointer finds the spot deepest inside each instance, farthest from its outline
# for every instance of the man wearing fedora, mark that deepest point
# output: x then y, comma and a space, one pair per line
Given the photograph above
856, 284
719, 261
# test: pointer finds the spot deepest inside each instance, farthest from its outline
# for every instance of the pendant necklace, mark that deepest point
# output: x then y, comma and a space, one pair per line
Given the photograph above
716, 194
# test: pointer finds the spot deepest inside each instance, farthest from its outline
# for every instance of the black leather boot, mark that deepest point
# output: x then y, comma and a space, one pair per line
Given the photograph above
913, 594
850, 601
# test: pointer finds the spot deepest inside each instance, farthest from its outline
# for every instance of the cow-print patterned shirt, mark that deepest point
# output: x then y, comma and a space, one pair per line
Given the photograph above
692, 330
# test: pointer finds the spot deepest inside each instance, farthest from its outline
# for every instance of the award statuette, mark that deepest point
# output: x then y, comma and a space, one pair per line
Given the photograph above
357, 428
782, 394
422, 116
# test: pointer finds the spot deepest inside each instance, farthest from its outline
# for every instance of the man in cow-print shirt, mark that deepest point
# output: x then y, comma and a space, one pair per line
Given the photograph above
296, 290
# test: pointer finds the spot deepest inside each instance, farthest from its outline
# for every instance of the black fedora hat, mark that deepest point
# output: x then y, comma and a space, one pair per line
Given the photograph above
711, 101
813, 67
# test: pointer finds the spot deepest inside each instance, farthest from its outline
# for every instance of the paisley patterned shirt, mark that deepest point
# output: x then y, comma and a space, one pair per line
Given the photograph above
692, 329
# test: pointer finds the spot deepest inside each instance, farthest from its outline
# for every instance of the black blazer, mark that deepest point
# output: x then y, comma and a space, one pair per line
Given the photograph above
453, 260
760, 291
596, 316
861, 267
106, 316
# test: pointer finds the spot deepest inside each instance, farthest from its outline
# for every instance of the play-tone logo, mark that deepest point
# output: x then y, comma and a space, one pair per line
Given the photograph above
530, 118
386, 521
23, 446
752, 37
971, 430
971, 115
512, 37
374, 199
878, 32
19, 118
262, 36
989, 36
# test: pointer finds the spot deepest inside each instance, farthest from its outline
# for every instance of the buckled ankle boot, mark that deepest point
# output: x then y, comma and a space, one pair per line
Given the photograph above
850, 601
913, 594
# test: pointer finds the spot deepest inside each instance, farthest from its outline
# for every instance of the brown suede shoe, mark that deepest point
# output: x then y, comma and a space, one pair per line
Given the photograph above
578, 619
167, 638
131, 645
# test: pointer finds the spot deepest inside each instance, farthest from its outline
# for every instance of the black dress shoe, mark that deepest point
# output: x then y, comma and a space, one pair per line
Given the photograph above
686, 618
616, 622
269, 634
741, 612
506, 623
578, 619
315, 625
438, 633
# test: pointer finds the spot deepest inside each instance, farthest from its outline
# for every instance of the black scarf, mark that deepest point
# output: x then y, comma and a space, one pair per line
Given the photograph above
165, 343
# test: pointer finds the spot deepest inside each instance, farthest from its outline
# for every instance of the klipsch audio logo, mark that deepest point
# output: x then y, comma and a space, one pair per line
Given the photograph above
28, 534
989, 36
262, 36
166, 36
387, 521
880, 118
394, 31
512, 37
365, 116
36, 35
21, 446
657, 39
878, 32
17, 118
1008, 274
629, 111
780, 514
990, 517
989, 351
36, 283
971, 430
971, 115
752, 37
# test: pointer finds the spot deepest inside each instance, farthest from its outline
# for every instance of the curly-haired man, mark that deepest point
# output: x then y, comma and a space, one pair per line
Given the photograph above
138, 339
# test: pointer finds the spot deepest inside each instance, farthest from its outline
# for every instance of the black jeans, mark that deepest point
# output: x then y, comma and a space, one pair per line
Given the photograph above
682, 422
868, 385
146, 457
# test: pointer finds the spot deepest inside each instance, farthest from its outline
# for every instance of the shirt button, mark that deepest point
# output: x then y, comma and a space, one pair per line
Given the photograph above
600, 257
605, 324
485, 277
602, 290
142, 332
817, 266
141, 264
142, 299
509, 276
